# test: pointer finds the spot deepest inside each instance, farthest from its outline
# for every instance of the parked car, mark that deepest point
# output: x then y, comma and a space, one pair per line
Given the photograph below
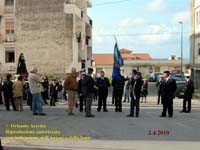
181, 85
153, 77
176, 74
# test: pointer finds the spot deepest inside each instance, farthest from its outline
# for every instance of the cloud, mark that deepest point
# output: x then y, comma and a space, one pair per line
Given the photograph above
96, 38
156, 6
181, 16
158, 34
132, 22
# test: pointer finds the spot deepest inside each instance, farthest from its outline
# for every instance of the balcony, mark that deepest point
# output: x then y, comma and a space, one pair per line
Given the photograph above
89, 4
72, 8
87, 19
10, 38
9, 10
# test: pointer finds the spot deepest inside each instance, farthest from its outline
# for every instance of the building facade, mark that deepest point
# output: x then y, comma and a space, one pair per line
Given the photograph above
142, 62
195, 41
54, 35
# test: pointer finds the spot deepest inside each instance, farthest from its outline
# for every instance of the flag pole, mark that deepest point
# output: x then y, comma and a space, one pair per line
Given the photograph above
115, 38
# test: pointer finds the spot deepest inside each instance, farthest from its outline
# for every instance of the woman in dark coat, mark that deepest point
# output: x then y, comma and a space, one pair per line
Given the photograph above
21, 67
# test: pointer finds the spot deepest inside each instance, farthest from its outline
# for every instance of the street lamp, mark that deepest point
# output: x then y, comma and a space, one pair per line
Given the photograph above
181, 23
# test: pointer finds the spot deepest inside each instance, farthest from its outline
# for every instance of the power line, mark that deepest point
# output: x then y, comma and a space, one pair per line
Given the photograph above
139, 34
110, 3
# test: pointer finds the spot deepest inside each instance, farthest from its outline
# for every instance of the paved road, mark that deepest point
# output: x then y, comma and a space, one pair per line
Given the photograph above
110, 130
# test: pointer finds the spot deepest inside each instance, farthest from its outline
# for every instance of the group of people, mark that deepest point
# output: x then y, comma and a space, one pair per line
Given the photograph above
166, 88
85, 88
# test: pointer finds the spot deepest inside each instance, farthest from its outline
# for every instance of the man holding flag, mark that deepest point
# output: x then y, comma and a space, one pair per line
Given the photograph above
118, 80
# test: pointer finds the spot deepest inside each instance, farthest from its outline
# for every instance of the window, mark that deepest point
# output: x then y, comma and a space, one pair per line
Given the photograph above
157, 69
11, 31
9, 2
197, 18
10, 56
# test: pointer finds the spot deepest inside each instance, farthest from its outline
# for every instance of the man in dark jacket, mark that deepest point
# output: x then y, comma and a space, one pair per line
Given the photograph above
118, 88
1, 99
53, 93
168, 91
188, 95
45, 85
136, 87
80, 92
102, 85
88, 90
8, 92
159, 85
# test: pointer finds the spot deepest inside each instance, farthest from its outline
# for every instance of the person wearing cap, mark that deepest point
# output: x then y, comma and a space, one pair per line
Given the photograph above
135, 92
168, 91
35, 84
71, 86
102, 84
88, 91
188, 95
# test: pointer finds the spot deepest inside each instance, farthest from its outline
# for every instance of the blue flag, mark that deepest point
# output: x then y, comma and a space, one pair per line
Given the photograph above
118, 62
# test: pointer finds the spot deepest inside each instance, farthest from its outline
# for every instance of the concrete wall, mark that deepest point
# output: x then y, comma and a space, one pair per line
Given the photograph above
1, 7
44, 34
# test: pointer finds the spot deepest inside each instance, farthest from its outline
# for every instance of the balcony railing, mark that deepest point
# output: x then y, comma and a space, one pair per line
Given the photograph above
9, 10
10, 38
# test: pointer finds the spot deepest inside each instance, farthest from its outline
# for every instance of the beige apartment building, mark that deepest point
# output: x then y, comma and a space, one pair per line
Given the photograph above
195, 41
54, 35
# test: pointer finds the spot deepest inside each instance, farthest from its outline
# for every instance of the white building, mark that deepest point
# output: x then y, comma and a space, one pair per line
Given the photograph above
195, 41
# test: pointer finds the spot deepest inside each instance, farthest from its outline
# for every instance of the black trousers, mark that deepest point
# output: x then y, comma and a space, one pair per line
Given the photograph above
53, 100
167, 106
118, 100
159, 97
1, 99
135, 102
44, 97
7, 102
102, 101
185, 101
81, 103
113, 98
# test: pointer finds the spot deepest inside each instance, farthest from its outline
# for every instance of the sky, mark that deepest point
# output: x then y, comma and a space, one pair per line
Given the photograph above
143, 26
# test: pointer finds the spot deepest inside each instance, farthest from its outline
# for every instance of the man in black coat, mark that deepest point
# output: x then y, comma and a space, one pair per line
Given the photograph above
88, 91
168, 91
80, 92
102, 84
135, 92
118, 88
188, 95
8, 92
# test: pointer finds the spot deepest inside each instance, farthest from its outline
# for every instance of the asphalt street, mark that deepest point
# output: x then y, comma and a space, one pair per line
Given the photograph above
107, 130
